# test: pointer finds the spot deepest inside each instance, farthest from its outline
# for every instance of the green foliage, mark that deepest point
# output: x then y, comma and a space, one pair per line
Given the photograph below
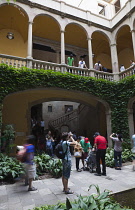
126, 156
9, 135
10, 168
47, 164
99, 201
116, 94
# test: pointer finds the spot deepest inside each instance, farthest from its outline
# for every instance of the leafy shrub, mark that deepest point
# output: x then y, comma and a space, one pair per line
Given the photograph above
126, 156
10, 168
47, 164
99, 201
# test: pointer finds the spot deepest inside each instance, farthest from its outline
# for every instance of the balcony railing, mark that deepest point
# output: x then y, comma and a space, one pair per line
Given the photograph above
38, 64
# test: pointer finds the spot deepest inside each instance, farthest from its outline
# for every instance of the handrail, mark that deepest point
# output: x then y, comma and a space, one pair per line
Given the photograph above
63, 119
19, 62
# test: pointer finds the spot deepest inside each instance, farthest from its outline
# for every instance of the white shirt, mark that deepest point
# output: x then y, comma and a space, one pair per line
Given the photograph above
122, 68
81, 64
97, 66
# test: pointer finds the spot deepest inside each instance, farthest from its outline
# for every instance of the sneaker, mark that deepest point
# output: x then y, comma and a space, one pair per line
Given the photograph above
103, 174
97, 174
32, 189
79, 170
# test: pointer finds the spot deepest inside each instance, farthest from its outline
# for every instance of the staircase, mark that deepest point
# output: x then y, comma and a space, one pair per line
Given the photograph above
63, 120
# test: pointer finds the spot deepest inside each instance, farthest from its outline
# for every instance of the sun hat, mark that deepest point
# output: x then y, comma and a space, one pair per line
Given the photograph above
86, 140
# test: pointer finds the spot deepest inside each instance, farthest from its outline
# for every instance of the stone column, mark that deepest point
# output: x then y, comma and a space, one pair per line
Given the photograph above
57, 57
29, 50
131, 123
133, 40
62, 47
114, 58
109, 129
90, 54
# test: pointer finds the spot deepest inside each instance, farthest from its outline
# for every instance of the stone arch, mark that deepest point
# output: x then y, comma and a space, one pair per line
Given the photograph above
101, 48
76, 41
11, 23
123, 39
46, 37
21, 102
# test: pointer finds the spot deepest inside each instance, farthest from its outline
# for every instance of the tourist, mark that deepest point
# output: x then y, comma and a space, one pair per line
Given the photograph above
42, 124
132, 63
49, 145
70, 62
82, 63
117, 138
86, 146
29, 164
98, 66
66, 162
122, 68
100, 144
78, 153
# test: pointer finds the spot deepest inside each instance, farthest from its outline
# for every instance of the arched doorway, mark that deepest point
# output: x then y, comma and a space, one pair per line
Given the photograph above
17, 108
124, 46
46, 39
101, 49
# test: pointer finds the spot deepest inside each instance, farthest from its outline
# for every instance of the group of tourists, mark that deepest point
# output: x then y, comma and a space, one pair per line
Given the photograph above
81, 150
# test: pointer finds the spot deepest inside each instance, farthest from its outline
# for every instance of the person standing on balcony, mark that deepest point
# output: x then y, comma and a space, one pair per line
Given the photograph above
132, 63
70, 62
98, 66
82, 63
122, 68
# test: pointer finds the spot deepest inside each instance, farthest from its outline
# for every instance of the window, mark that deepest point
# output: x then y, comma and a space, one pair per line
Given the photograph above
68, 108
49, 108
117, 6
101, 9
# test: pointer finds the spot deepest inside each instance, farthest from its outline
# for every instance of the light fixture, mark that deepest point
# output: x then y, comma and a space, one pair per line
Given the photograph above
10, 35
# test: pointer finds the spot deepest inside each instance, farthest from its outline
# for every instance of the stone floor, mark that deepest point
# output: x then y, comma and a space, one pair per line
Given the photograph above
16, 196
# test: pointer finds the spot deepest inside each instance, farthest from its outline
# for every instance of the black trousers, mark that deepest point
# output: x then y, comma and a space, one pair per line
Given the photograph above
77, 162
100, 155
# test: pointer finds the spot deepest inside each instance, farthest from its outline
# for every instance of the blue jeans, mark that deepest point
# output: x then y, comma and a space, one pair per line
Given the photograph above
117, 159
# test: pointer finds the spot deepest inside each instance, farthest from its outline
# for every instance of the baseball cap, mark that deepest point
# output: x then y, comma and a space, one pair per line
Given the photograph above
86, 140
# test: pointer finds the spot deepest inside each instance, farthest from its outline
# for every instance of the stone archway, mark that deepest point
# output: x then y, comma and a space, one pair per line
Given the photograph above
16, 107
101, 49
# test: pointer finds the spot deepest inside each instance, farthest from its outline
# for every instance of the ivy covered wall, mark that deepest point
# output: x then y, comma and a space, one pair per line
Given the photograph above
116, 94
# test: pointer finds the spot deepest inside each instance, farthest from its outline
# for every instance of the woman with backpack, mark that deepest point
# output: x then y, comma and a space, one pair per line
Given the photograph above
117, 138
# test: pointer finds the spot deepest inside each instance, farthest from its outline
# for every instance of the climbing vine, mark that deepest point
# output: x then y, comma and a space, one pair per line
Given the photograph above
116, 94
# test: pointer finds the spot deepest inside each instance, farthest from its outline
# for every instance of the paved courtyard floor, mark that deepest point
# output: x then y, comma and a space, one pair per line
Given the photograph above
16, 196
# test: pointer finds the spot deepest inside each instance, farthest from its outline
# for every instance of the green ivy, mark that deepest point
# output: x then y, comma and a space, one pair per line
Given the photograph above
116, 94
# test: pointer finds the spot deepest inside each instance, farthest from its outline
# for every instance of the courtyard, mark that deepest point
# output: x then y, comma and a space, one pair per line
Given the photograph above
16, 197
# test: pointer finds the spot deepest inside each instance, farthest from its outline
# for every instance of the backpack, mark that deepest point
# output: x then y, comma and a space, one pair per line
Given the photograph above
59, 152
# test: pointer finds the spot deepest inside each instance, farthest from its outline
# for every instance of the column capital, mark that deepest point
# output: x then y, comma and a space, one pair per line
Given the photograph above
132, 31
62, 31
30, 22
113, 45
89, 38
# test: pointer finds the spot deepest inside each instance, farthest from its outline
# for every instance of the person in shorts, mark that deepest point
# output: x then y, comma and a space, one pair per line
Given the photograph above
29, 164
66, 162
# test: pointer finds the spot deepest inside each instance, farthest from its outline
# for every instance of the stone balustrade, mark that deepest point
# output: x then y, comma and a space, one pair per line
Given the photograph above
19, 62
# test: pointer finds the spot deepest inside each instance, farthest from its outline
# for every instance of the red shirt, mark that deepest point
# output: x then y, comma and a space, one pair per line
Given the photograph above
101, 142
